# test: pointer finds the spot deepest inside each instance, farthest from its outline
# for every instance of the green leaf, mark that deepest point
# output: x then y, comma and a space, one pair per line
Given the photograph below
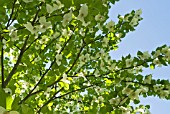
26, 109
94, 109
9, 101
67, 3
148, 106
102, 110
3, 98
136, 101
162, 61
139, 53
152, 66
45, 110
139, 77
15, 105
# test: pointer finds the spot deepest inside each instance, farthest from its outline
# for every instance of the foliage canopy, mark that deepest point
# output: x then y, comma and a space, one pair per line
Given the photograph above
55, 59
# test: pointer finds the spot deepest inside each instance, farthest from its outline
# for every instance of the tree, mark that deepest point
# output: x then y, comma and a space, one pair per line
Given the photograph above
55, 59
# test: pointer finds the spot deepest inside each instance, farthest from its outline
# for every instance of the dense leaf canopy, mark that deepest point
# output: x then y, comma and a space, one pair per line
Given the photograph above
55, 59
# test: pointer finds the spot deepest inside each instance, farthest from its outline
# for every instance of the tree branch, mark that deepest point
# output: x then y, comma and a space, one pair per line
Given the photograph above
50, 99
78, 55
70, 67
43, 75
17, 63
74, 91
54, 96
13, 6
2, 63
32, 42
47, 45
22, 50
33, 22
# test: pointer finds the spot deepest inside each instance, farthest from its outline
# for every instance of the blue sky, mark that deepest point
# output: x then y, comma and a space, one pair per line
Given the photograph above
153, 31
